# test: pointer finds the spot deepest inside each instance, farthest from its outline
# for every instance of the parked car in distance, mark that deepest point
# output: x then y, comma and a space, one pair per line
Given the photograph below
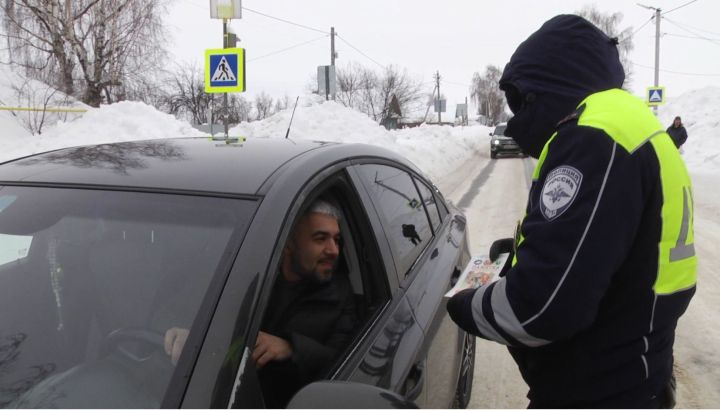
105, 247
501, 144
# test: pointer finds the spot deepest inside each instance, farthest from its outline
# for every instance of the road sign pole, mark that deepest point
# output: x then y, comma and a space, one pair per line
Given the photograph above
226, 110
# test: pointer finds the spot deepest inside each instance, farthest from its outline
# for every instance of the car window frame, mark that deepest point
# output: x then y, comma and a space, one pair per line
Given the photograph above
402, 277
246, 372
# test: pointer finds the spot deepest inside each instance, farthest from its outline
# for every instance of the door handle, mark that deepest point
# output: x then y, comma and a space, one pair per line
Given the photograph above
415, 381
455, 276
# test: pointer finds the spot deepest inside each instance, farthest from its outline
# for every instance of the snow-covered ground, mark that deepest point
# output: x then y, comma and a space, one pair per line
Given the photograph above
439, 152
436, 150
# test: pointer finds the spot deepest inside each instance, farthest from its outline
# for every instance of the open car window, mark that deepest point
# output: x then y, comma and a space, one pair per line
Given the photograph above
322, 319
91, 283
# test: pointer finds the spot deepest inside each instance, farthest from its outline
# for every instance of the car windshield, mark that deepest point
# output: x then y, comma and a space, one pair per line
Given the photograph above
91, 281
499, 130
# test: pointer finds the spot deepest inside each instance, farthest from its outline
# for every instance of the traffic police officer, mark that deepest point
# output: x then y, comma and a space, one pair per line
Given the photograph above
604, 262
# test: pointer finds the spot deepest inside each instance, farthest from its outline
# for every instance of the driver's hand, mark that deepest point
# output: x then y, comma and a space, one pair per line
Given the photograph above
270, 348
174, 342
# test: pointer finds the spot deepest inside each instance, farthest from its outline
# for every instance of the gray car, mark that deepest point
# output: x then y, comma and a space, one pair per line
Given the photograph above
501, 144
105, 247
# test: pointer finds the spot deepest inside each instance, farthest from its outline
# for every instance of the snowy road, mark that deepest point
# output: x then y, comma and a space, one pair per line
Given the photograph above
493, 194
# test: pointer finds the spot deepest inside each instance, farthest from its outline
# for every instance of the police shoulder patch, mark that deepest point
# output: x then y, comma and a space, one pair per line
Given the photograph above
561, 187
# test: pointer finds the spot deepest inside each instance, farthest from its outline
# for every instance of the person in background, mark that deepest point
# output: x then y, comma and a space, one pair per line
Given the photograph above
603, 264
677, 132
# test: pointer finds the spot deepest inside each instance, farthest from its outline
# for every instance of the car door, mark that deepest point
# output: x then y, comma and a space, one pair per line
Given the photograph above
432, 277
387, 332
428, 252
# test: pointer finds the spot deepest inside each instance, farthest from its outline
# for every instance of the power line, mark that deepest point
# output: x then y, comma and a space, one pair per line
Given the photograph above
692, 32
636, 31
286, 21
679, 7
690, 37
356, 49
678, 72
289, 48
699, 29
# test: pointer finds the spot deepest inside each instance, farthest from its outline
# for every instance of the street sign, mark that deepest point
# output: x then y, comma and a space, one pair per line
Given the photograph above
326, 80
225, 70
440, 105
225, 9
655, 96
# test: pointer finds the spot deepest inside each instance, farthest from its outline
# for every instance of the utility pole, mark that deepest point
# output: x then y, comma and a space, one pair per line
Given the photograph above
226, 110
657, 46
439, 102
467, 112
332, 46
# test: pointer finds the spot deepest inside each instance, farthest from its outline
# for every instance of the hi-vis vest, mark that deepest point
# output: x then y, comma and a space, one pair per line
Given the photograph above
677, 264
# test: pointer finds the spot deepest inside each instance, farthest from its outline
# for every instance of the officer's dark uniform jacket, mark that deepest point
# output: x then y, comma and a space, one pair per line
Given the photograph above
604, 263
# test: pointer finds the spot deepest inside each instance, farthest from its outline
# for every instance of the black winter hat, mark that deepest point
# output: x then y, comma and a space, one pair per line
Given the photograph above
568, 56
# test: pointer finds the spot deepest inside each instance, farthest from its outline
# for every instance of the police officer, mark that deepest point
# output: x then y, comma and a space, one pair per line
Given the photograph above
603, 263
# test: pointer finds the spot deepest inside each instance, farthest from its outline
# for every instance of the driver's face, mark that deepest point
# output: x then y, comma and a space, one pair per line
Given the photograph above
314, 249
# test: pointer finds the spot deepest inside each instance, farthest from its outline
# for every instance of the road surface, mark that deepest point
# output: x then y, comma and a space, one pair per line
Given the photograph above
493, 194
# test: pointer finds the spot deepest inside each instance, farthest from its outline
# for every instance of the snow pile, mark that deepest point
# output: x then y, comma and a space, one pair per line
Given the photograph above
123, 121
19, 91
700, 113
436, 150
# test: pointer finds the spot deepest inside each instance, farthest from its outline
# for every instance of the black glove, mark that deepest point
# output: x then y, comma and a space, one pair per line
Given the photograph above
505, 245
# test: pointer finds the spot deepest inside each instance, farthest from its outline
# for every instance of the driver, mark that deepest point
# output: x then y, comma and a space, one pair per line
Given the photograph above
311, 312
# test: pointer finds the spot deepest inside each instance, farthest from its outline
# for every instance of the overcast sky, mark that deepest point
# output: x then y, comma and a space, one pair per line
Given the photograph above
455, 37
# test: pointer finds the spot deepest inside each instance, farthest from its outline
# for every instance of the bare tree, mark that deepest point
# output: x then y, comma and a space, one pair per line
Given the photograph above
350, 84
485, 90
609, 24
187, 97
239, 109
282, 103
371, 93
263, 106
394, 83
86, 48
39, 97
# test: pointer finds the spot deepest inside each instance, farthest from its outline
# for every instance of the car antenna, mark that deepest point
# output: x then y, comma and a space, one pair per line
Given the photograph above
291, 117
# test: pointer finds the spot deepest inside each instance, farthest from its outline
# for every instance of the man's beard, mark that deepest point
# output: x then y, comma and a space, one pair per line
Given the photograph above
313, 275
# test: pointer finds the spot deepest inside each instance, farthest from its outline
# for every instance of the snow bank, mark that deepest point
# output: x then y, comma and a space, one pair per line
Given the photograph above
123, 121
434, 149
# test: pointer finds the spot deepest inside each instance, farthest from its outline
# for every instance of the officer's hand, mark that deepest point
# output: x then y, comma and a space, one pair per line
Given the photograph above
270, 348
504, 245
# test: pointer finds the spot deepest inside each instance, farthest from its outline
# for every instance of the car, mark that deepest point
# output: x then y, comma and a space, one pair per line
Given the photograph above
501, 144
103, 247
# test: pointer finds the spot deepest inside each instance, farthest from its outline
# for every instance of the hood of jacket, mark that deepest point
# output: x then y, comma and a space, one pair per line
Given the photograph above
554, 69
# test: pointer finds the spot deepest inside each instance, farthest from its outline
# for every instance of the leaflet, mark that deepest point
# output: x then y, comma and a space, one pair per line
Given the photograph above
479, 271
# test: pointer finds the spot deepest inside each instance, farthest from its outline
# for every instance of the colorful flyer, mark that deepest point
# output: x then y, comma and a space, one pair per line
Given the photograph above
479, 271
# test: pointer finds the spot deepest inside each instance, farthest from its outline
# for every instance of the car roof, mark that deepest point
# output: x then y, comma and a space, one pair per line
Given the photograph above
180, 164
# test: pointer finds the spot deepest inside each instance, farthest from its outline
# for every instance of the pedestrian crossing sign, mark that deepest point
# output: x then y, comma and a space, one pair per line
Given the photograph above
225, 70
655, 96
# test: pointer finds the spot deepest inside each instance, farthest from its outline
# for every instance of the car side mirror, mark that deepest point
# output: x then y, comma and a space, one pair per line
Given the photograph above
332, 394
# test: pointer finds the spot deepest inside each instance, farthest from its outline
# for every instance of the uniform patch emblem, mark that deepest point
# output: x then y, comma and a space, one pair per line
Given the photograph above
561, 187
